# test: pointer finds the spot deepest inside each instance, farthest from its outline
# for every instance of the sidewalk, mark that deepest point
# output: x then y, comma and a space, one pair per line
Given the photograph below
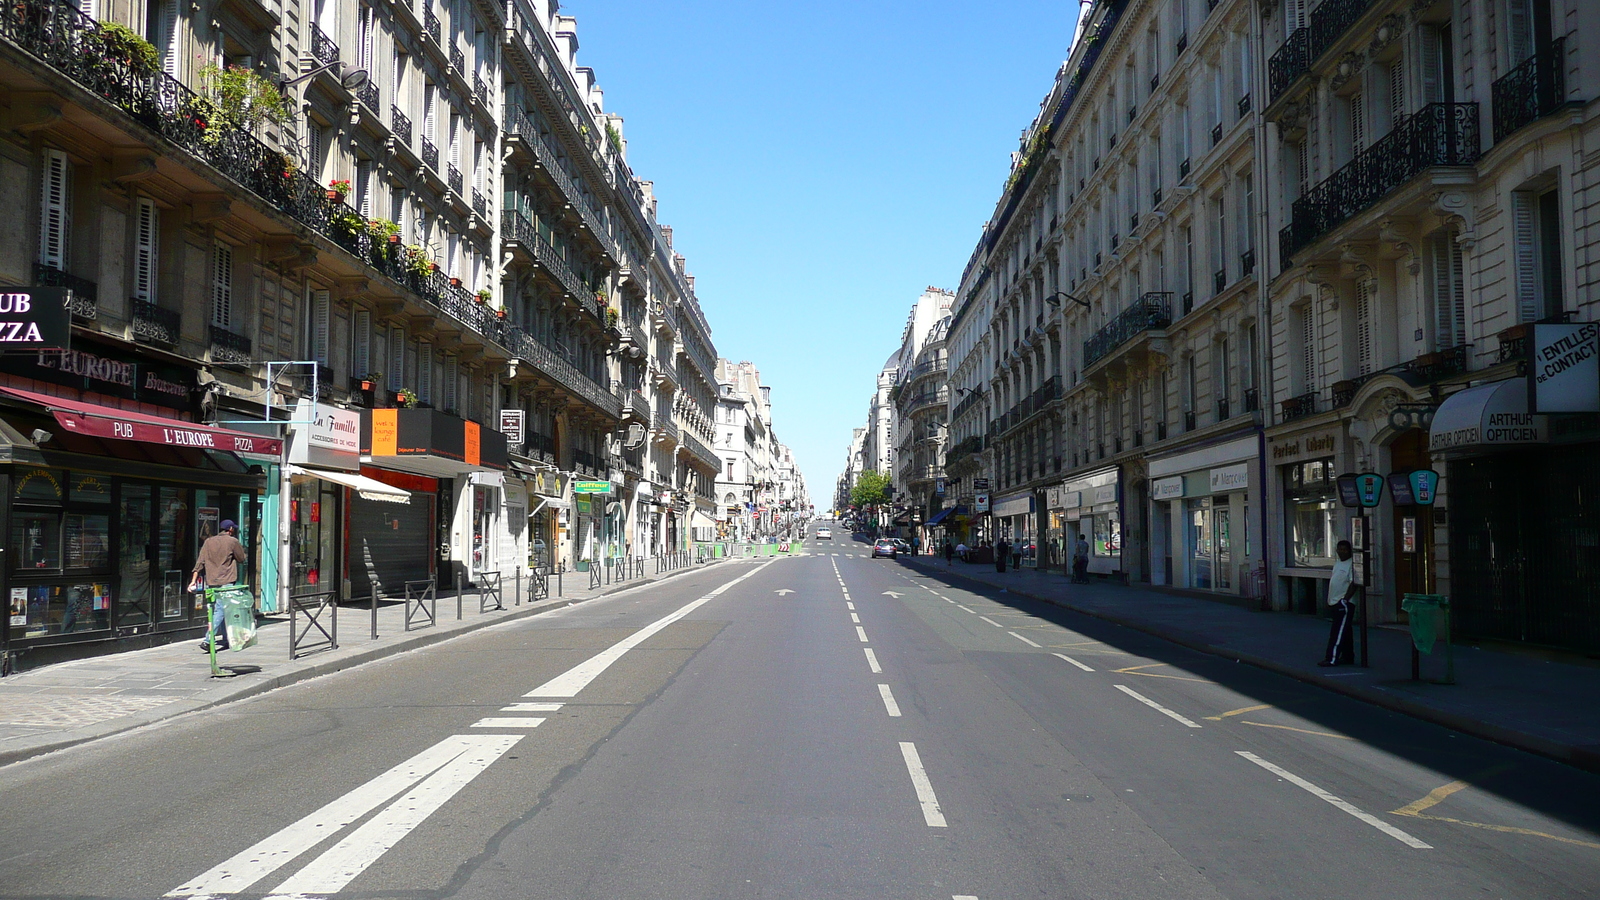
1539, 705
69, 703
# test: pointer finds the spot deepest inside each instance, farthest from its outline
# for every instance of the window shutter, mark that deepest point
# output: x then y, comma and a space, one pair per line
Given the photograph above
1397, 91
1432, 72
321, 311
169, 37
1519, 31
1294, 16
1303, 155
363, 188
429, 124
365, 48
361, 349
397, 358
451, 375
55, 213
425, 371
146, 228
1358, 124
1523, 221
1308, 346
222, 286
1449, 293
1364, 302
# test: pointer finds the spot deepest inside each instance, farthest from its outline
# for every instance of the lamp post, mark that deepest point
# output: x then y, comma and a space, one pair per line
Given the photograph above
1057, 303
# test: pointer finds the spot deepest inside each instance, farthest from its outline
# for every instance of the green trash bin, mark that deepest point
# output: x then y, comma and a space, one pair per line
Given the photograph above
1429, 614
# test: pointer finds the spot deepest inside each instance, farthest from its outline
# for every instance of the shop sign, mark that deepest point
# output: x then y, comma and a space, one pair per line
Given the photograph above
34, 317
1230, 478
980, 484
325, 435
1424, 486
1408, 416
591, 487
547, 482
1105, 493
511, 423
938, 486
1365, 490
174, 435
1166, 488
1490, 414
980, 502
1564, 368
106, 372
1015, 505
1302, 446
1071, 499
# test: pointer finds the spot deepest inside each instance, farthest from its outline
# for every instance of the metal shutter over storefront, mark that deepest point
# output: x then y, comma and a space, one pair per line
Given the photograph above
390, 544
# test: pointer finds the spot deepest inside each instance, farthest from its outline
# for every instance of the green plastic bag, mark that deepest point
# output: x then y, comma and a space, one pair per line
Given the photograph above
1423, 610
239, 612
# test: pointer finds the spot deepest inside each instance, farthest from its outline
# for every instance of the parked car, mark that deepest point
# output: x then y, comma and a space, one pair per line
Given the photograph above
902, 545
885, 548
824, 534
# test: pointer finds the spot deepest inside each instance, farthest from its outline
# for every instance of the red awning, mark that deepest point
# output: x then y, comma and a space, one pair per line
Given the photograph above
120, 424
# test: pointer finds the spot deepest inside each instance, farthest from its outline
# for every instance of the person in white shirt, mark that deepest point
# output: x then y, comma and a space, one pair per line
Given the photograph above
1341, 590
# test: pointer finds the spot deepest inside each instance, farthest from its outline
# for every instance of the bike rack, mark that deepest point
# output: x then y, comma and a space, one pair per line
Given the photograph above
489, 586
422, 602
314, 607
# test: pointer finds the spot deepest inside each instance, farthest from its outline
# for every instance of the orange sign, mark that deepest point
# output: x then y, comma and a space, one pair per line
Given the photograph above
385, 432
474, 455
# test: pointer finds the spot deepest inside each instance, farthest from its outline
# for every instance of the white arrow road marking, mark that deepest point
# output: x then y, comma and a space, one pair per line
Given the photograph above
261, 859
340, 864
872, 661
1022, 639
783, 592
892, 707
1073, 661
1315, 791
894, 594
924, 787
861, 633
1154, 705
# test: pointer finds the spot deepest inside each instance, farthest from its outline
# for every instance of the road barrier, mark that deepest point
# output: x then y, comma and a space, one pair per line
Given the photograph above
422, 602
488, 586
314, 607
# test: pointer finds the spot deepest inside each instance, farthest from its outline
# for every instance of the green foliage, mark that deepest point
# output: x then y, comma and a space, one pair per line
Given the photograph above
417, 260
613, 136
382, 229
240, 97
121, 43
872, 489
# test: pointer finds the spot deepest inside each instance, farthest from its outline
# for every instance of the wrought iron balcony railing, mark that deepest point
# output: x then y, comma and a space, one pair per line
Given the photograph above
453, 177
1252, 399
1151, 312
480, 91
458, 61
154, 324
368, 95
430, 154
400, 124
430, 22
228, 345
1534, 89
1297, 407
556, 367
85, 301
1439, 134
479, 205
323, 49
1288, 62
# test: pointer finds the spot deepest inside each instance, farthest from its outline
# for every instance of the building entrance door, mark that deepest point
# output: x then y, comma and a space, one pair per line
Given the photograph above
1202, 558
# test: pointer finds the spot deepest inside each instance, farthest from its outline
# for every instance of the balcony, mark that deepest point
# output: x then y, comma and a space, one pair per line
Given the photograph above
480, 205
1289, 62
323, 49
1534, 89
400, 124
666, 431
368, 95
699, 451
1216, 134
963, 448
1219, 281
1183, 42
430, 155
154, 324
1155, 197
458, 61
1155, 82
1297, 407
229, 346
517, 230
1152, 312
1224, 409
1244, 106
923, 401
452, 177
480, 91
1190, 421
635, 404
1247, 262
555, 367
430, 22
1440, 134
1252, 399
1183, 169
84, 303
1188, 302
523, 136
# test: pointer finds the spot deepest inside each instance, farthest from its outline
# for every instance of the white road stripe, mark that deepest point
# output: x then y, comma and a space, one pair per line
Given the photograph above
924, 787
1022, 639
861, 633
849, 605
1154, 705
575, 679
341, 863
1315, 791
991, 621
888, 701
239, 872
948, 600
1073, 661
973, 611
532, 707
508, 722
963, 897
855, 618
872, 661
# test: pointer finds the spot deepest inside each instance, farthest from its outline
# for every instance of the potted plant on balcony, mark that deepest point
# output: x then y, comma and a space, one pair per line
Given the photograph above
369, 381
612, 317
115, 43
483, 296
417, 261
338, 189
407, 398
454, 281
347, 222
384, 230
242, 98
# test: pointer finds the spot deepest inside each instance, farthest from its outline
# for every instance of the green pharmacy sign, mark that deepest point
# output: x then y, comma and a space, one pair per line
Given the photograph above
591, 487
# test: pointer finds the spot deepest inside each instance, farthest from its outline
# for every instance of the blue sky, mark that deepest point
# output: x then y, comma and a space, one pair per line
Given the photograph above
821, 163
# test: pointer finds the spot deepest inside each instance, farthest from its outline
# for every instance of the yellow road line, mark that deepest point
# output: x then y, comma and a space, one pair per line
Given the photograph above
1342, 737
1134, 670
1506, 829
1434, 798
1416, 810
1239, 712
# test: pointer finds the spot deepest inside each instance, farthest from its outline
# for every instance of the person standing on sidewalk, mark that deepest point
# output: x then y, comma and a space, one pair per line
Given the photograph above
949, 551
1080, 561
1002, 551
1341, 590
218, 563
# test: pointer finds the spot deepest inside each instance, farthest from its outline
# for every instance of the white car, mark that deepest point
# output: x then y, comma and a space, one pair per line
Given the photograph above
824, 534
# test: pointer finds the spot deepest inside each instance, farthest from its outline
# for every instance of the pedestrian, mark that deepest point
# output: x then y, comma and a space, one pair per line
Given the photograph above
949, 551
916, 545
962, 550
1341, 589
218, 566
1080, 561
1002, 550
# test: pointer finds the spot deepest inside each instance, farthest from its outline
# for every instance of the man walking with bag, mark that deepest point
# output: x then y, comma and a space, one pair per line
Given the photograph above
1341, 590
218, 566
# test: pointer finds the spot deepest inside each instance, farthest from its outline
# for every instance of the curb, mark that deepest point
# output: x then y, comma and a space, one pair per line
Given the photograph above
1576, 756
253, 688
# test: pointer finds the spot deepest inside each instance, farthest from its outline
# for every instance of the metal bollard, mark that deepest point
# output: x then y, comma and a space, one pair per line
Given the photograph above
560, 570
458, 595
374, 615
516, 588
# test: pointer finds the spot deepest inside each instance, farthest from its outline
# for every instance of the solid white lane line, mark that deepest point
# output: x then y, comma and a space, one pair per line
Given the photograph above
1022, 639
340, 864
991, 621
1315, 791
963, 897
1154, 705
849, 605
1073, 661
892, 707
239, 872
508, 722
575, 679
872, 661
855, 618
861, 633
532, 707
924, 787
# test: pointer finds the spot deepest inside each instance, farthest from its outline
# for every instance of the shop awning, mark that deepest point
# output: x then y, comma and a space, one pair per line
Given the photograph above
366, 488
940, 516
120, 424
1489, 415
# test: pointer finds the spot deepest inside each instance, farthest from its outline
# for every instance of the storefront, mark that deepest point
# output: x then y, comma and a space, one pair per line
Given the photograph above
107, 509
1201, 503
1089, 506
1013, 515
548, 508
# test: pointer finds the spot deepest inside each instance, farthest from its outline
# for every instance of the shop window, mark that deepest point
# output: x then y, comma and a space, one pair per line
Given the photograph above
1107, 530
1310, 513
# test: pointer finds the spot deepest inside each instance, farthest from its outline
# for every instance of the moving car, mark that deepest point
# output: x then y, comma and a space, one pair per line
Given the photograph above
884, 548
824, 534
902, 545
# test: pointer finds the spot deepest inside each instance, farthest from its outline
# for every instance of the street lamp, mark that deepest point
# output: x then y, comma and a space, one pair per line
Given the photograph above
1057, 303
351, 78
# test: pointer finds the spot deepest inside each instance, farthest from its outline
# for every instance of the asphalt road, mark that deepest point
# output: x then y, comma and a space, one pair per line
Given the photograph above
827, 726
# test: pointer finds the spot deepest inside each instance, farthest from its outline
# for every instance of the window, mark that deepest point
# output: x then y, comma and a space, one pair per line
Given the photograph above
397, 210
55, 211
222, 286
1536, 221
1397, 91
425, 371
361, 344
146, 226
314, 149
1308, 348
317, 328
397, 358
1365, 290
163, 32
1449, 291
430, 126
1219, 241
1358, 123
1310, 507
1294, 16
